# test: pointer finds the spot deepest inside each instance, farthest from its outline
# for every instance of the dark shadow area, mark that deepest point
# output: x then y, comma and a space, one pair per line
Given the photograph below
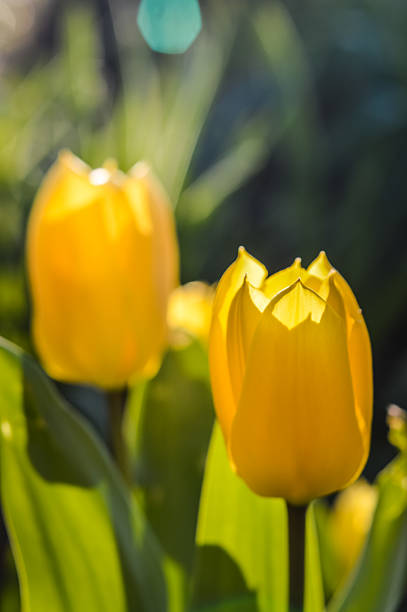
219, 580
90, 403
174, 436
59, 449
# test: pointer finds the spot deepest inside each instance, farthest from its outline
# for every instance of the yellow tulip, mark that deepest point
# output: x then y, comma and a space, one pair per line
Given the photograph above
190, 312
291, 375
350, 522
102, 260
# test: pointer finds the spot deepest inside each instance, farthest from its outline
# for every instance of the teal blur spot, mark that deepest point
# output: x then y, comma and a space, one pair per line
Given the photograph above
169, 26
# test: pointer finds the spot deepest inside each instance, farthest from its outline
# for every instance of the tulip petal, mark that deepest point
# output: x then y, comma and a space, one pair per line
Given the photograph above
284, 278
244, 315
321, 268
153, 215
244, 266
84, 289
295, 434
164, 235
328, 291
65, 188
360, 356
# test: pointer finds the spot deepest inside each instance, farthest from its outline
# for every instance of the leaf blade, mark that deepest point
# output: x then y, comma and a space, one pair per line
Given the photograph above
78, 541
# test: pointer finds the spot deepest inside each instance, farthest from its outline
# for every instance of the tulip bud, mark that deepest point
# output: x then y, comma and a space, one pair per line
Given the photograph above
190, 312
350, 522
102, 260
291, 375
397, 422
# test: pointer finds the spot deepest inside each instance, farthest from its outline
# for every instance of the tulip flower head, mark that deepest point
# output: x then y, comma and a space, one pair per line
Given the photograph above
397, 422
102, 260
350, 521
291, 375
190, 312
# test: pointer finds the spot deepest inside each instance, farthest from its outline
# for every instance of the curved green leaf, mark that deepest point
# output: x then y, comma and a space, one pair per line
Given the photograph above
242, 557
78, 542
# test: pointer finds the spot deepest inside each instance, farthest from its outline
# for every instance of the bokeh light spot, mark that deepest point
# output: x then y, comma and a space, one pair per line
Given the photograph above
6, 430
169, 26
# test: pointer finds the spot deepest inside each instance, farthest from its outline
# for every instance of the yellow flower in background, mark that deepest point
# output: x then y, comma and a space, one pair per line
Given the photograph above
291, 374
102, 260
190, 312
397, 422
350, 521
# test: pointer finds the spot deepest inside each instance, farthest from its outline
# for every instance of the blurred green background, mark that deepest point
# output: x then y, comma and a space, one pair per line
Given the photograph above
282, 128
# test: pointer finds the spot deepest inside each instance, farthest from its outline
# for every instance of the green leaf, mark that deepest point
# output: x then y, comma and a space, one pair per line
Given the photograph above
378, 581
168, 426
331, 567
78, 541
242, 538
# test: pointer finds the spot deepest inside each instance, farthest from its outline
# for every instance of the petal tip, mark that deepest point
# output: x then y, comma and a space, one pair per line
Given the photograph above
110, 164
323, 260
140, 170
70, 161
321, 266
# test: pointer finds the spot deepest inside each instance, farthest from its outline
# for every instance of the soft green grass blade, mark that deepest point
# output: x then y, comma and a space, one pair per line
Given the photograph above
242, 540
188, 110
379, 580
229, 173
78, 542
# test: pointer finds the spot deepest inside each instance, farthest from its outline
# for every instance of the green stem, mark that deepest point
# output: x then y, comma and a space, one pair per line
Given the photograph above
116, 401
296, 538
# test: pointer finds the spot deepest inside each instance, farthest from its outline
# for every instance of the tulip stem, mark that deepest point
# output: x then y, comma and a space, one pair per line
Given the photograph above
116, 401
296, 538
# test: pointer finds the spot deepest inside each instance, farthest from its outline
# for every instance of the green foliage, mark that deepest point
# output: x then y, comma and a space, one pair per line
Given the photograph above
168, 425
13, 304
378, 582
242, 545
78, 541
9, 593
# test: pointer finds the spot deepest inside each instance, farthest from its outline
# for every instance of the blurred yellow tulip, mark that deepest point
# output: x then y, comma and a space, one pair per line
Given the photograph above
102, 259
397, 422
350, 522
291, 374
190, 312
